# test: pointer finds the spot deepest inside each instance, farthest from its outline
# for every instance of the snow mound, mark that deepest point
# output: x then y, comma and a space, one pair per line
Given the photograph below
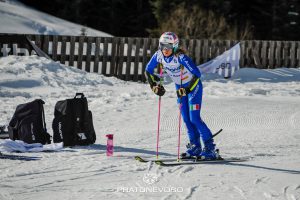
33, 71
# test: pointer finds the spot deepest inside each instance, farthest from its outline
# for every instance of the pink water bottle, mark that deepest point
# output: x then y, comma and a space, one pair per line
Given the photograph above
110, 145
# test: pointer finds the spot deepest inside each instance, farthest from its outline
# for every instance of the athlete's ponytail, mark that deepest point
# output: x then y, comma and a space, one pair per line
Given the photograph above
180, 50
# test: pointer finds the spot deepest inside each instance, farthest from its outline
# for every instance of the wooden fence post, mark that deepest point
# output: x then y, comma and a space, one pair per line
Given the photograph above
121, 58
278, 53
264, 53
272, 54
54, 47
286, 53
192, 45
72, 50
114, 50
63, 49
292, 54
136, 59
97, 54
145, 56
105, 56
45, 45
298, 54
198, 52
90, 40
205, 50
128, 62
256, 54
80, 52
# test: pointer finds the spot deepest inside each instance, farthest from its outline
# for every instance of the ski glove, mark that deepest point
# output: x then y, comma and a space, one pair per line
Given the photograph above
152, 79
182, 92
185, 91
158, 89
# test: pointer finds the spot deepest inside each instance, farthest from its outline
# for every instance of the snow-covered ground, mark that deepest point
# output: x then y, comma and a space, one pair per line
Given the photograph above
259, 111
17, 18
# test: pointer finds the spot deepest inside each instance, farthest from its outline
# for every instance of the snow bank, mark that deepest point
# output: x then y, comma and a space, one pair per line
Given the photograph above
33, 71
255, 82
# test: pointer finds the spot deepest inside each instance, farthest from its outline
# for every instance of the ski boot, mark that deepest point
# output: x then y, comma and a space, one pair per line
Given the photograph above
192, 151
209, 152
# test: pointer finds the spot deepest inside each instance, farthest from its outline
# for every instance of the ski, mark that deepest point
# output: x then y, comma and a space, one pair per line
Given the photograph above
195, 162
215, 134
188, 161
144, 160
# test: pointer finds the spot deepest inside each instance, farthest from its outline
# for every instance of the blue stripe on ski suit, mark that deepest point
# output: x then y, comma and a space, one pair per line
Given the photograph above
196, 128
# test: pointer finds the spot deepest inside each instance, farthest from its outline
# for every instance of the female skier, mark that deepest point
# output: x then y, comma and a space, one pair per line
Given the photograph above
182, 70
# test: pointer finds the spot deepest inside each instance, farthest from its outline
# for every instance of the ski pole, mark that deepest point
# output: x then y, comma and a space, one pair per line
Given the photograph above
179, 124
158, 120
158, 125
179, 127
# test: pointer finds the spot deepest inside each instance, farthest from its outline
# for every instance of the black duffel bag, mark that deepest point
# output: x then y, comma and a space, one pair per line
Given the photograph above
28, 123
73, 122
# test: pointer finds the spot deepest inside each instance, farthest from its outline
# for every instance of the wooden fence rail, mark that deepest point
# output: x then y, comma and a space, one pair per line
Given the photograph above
126, 58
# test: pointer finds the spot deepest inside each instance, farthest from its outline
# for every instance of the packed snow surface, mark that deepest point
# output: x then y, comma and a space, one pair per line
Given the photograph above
259, 111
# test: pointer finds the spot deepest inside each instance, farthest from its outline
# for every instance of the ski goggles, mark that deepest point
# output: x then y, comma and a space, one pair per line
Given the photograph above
166, 46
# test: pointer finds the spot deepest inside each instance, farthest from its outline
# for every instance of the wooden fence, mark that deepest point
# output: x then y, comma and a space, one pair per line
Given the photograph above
126, 58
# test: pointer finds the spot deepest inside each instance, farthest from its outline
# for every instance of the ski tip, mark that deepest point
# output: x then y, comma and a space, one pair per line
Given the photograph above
219, 131
215, 134
138, 158
158, 162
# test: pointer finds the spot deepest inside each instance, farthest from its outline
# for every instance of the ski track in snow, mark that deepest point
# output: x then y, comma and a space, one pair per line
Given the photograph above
263, 129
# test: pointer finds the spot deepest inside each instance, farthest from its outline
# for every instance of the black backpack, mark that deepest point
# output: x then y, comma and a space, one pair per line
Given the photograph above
73, 122
28, 123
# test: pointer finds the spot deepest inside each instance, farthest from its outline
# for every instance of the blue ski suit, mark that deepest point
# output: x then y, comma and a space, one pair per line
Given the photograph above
178, 66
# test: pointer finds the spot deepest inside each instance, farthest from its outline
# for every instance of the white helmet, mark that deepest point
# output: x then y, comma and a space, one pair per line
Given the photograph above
168, 40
